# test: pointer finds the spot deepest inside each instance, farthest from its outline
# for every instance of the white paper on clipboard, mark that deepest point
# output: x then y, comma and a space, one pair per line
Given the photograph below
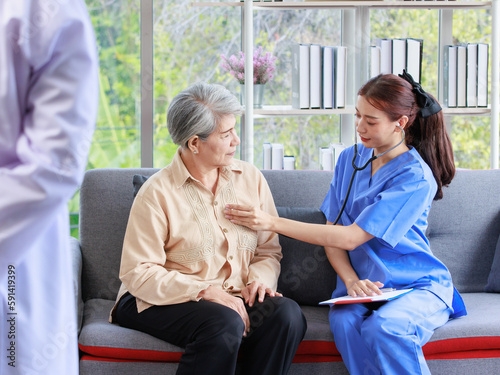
385, 296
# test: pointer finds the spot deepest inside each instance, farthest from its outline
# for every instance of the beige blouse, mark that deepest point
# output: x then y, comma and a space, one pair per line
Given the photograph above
178, 242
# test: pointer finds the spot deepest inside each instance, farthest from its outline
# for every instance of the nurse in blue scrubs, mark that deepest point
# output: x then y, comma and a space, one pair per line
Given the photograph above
379, 239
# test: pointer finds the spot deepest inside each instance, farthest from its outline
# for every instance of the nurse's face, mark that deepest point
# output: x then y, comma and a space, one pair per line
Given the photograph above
219, 148
374, 128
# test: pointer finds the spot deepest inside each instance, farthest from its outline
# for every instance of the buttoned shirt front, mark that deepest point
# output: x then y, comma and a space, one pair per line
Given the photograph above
178, 241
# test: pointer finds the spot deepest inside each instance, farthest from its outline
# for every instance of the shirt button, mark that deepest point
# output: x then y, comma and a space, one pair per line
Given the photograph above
230, 257
226, 285
225, 230
216, 203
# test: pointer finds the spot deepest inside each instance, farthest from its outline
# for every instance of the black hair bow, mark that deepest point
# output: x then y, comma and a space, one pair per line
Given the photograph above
428, 105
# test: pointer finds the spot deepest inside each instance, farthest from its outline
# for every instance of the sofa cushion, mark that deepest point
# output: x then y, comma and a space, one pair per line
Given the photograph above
464, 227
306, 274
101, 339
106, 196
476, 335
285, 184
494, 277
138, 180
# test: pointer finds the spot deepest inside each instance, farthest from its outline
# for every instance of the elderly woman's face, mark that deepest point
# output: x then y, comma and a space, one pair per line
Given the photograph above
220, 147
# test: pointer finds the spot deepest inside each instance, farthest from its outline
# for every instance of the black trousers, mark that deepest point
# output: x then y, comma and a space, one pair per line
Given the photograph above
212, 334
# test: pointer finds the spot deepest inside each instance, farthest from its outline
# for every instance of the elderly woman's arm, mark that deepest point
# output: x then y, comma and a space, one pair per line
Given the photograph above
143, 258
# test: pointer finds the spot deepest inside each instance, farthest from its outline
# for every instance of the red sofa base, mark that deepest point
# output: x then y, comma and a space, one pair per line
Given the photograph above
312, 351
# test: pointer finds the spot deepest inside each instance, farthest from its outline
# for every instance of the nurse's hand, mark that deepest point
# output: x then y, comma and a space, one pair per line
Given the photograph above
364, 288
251, 217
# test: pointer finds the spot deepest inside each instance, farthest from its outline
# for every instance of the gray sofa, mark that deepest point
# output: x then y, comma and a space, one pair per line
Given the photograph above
464, 230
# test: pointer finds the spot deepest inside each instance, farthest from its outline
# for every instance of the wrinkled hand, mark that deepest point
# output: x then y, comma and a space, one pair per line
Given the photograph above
363, 288
251, 217
251, 291
219, 296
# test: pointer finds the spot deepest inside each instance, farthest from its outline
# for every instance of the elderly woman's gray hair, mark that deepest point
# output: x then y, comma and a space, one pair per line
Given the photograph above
198, 110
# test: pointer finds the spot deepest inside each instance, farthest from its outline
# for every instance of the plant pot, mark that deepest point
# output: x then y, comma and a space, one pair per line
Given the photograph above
258, 95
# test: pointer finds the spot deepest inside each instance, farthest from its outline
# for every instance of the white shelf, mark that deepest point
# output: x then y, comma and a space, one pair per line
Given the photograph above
287, 110
426, 4
479, 111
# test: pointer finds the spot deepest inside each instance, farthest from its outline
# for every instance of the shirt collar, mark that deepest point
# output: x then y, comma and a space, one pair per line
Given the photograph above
181, 174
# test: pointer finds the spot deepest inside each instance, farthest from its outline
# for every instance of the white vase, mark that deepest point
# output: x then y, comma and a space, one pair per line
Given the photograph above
258, 95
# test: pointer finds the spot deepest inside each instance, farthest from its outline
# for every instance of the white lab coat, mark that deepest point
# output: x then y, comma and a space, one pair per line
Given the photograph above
48, 107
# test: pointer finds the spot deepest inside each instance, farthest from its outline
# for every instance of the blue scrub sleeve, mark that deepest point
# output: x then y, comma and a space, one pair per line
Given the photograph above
396, 209
330, 206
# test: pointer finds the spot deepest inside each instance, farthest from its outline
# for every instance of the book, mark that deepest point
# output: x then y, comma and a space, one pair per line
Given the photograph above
326, 158
340, 76
374, 61
461, 76
482, 74
398, 56
414, 53
337, 148
266, 156
289, 162
471, 74
277, 154
385, 296
327, 77
385, 55
300, 75
394, 55
450, 76
315, 76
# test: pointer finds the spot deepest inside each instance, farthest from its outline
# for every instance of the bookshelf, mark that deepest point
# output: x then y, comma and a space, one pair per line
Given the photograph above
356, 34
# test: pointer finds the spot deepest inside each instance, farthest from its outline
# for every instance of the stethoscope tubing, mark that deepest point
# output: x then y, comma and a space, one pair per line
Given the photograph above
356, 169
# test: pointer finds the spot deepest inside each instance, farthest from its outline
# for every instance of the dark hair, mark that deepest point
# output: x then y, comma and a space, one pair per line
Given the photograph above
394, 96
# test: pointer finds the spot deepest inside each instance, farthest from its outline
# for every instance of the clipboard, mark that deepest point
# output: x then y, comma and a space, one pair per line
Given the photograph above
385, 296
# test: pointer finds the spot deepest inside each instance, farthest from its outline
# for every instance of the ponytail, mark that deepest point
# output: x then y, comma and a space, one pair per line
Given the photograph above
430, 138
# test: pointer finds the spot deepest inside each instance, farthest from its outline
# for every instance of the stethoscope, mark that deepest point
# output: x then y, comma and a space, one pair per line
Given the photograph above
356, 168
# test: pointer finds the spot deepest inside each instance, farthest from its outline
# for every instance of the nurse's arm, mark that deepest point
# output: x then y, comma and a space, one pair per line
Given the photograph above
343, 237
339, 259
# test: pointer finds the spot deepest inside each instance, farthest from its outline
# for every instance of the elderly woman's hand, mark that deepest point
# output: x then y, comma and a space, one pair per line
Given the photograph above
219, 296
251, 217
255, 289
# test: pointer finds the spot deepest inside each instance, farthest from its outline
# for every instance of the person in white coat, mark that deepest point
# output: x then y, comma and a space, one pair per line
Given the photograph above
48, 108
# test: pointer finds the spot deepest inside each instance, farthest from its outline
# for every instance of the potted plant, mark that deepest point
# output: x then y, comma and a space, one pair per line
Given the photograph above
264, 64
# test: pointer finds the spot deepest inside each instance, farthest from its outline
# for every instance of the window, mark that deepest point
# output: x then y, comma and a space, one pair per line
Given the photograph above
116, 141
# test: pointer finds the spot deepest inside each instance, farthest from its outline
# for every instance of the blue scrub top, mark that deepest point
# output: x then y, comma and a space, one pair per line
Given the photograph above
393, 206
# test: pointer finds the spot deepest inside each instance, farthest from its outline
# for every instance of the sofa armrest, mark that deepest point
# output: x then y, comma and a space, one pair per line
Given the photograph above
76, 269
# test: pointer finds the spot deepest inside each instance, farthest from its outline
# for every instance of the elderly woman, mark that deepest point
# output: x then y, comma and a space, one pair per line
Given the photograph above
190, 276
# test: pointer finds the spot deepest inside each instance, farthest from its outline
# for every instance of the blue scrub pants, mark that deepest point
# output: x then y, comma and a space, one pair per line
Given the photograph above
387, 338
